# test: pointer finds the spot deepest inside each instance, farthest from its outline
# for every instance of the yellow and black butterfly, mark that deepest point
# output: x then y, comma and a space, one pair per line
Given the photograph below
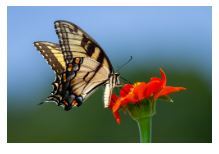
80, 65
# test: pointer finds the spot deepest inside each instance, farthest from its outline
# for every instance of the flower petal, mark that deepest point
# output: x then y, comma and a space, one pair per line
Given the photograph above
168, 90
155, 79
113, 100
117, 104
163, 77
121, 101
152, 88
130, 98
125, 89
139, 90
117, 117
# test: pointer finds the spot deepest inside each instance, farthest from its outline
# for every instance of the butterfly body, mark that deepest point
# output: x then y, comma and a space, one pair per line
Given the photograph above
80, 65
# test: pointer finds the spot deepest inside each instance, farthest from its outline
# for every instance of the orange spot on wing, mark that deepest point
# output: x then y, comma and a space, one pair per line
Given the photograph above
70, 66
77, 60
65, 103
74, 103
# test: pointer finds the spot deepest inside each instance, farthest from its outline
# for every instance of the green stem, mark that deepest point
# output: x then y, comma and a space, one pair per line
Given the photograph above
144, 125
142, 113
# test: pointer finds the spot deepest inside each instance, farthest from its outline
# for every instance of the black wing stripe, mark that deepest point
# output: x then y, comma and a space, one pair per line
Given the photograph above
84, 41
97, 69
100, 57
90, 49
86, 75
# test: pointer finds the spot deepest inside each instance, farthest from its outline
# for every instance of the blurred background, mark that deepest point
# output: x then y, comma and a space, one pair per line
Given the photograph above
177, 39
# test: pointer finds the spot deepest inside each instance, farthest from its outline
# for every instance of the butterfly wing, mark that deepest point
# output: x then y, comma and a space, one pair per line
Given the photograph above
52, 53
81, 78
75, 42
83, 67
95, 68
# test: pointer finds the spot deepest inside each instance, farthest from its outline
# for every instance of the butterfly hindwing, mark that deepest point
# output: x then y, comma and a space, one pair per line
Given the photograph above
81, 78
89, 76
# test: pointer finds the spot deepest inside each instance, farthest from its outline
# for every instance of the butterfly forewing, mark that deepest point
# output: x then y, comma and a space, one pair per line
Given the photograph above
77, 43
52, 53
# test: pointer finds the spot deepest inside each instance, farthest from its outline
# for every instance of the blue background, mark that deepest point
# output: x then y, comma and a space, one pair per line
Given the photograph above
178, 39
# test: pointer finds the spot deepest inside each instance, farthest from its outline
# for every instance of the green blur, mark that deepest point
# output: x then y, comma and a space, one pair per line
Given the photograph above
188, 119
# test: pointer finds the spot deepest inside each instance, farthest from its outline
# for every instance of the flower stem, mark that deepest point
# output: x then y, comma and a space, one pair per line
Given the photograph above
144, 125
142, 113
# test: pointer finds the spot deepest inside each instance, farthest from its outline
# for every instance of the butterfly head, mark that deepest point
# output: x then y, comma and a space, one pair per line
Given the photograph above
116, 80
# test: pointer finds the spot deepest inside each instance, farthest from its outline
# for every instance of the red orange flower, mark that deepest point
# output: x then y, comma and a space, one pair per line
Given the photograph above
134, 94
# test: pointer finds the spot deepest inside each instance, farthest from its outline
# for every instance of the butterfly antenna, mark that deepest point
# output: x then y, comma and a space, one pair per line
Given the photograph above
130, 59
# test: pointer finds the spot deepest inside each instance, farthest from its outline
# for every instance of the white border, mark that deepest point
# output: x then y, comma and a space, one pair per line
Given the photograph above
107, 148
215, 73
3, 73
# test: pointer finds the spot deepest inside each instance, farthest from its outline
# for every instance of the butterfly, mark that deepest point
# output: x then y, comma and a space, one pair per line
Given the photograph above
80, 65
